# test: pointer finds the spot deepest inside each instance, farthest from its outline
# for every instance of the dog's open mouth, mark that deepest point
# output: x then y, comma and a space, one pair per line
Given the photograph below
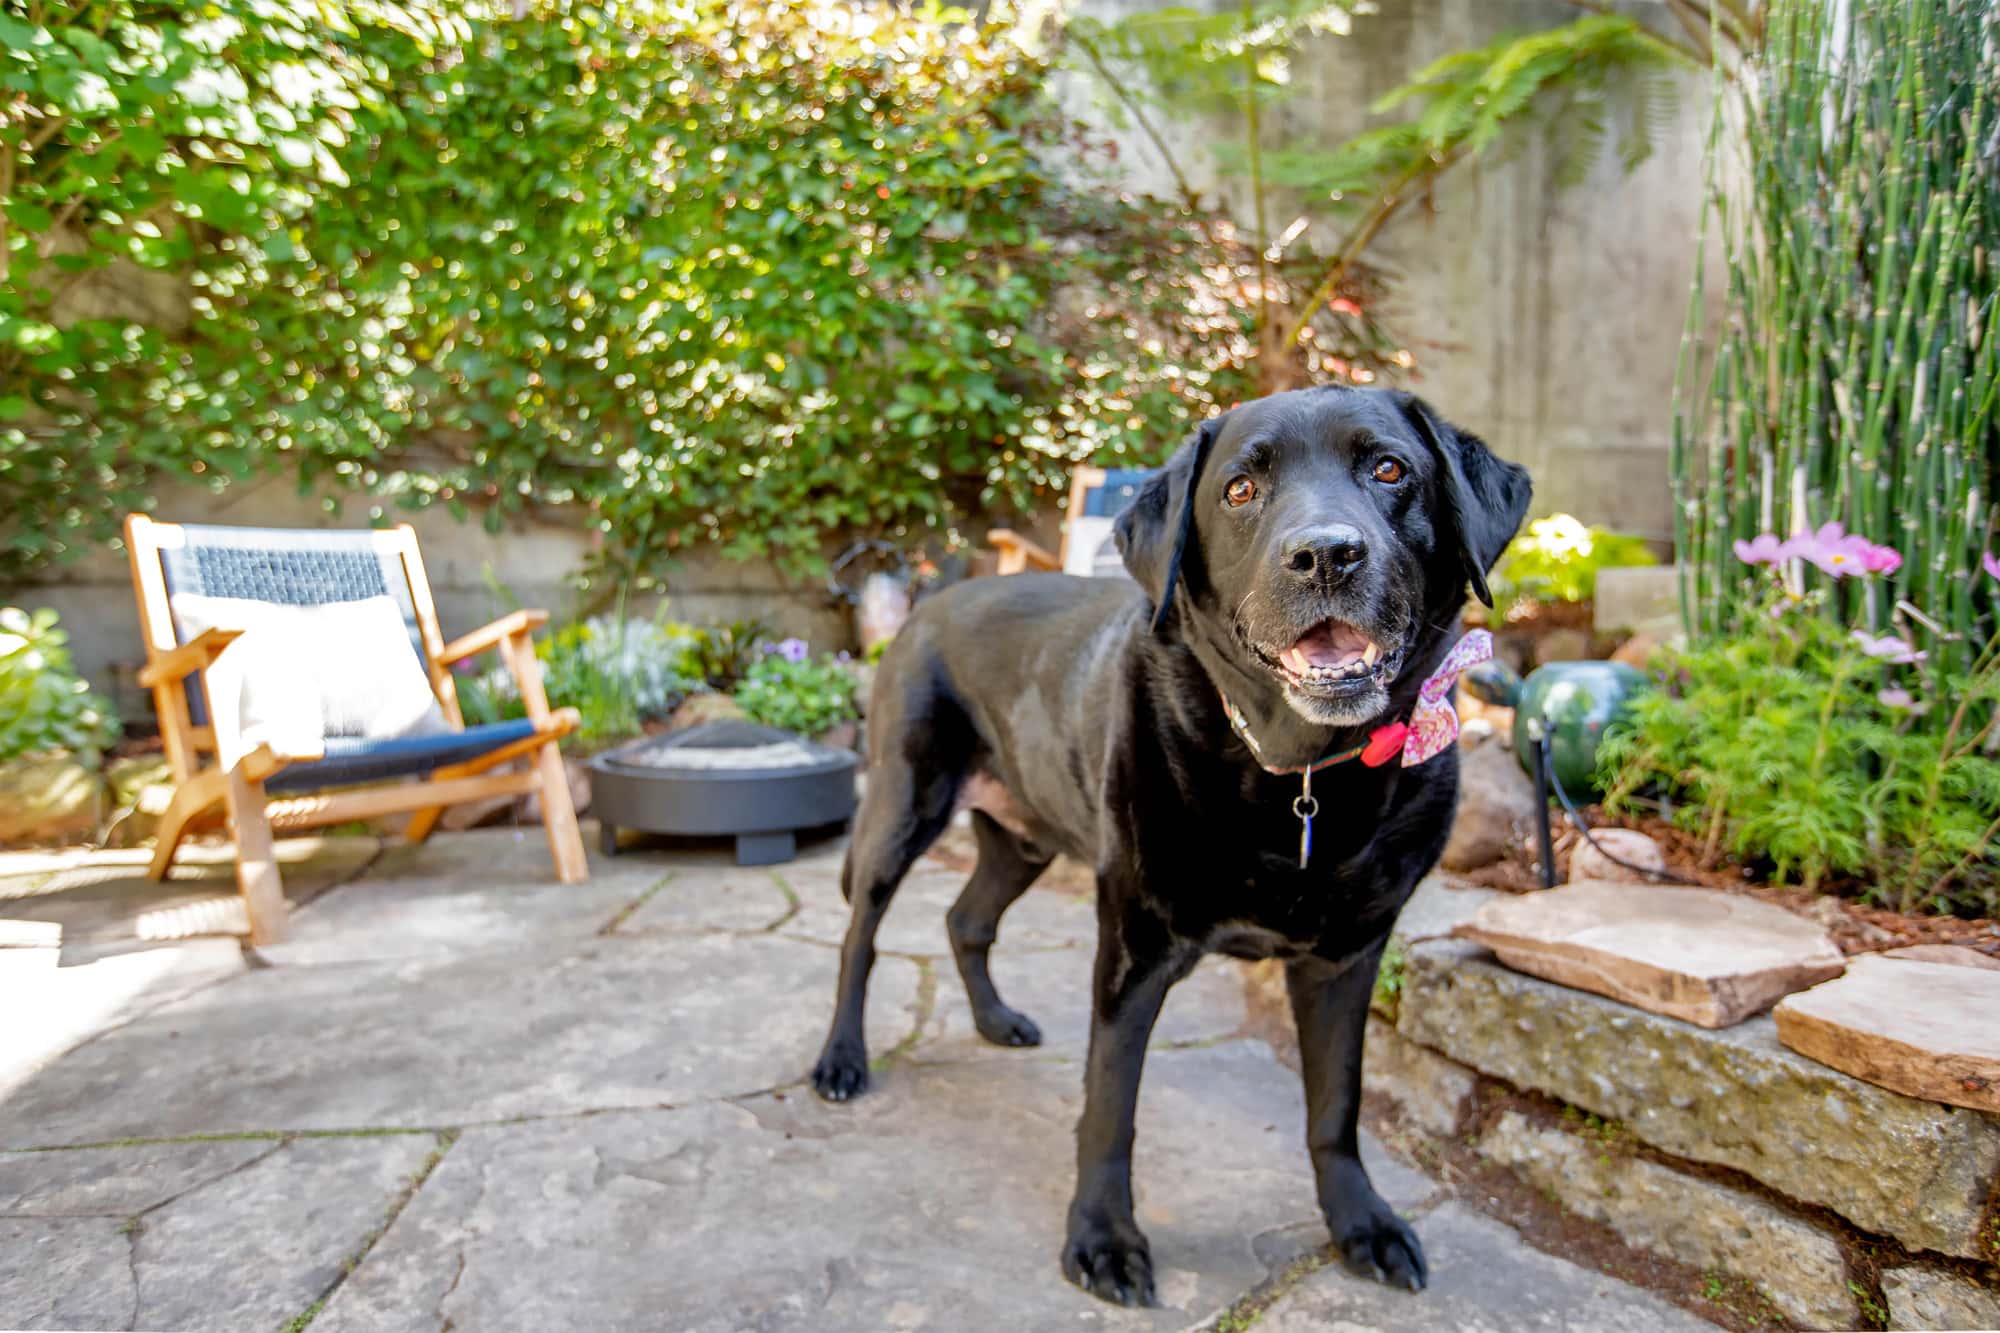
1334, 657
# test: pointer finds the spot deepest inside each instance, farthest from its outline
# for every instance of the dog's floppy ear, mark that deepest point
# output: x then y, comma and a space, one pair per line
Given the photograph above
1154, 531
1485, 496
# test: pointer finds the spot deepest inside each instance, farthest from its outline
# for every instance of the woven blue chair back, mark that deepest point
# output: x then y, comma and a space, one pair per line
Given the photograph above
287, 567
1120, 486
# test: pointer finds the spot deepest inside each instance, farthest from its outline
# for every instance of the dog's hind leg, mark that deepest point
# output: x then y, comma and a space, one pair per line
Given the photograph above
902, 813
1004, 872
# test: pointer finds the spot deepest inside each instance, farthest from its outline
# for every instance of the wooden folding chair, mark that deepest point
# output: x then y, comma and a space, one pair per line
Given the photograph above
265, 791
1096, 497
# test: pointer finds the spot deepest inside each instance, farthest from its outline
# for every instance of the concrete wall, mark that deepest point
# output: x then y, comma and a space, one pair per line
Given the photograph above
1545, 320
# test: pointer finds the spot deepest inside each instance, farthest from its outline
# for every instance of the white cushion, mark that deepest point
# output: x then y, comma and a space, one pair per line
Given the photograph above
302, 674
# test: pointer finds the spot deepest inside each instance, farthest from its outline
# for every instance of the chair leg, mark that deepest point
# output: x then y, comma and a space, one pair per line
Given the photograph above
421, 823
257, 875
559, 817
190, 799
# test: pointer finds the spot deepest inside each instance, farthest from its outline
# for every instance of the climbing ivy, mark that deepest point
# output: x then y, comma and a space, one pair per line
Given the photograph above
733, 271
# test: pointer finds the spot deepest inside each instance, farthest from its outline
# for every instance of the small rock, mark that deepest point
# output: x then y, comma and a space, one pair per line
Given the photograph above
1496, 806
49, 799
706, 707
1589, 860
1639, 649
1954, 955
1921, 1029
1928, 1298
1699, 955
1562, 645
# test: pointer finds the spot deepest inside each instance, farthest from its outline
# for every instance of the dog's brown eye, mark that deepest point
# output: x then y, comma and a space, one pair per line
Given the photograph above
1389, 471
1241, 491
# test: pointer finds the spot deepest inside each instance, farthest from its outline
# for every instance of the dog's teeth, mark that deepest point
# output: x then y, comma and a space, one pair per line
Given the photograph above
1296, 660
1370, 654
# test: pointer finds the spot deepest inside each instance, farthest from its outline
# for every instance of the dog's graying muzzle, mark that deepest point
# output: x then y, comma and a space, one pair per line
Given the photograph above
1324, 553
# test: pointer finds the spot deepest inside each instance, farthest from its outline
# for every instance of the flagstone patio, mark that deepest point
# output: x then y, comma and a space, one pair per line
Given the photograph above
464, 1096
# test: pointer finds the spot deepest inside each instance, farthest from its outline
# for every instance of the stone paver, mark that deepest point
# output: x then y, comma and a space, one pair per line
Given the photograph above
414, 1043
1924, 1029
1472, 1293
937, 1201
192, 1236
104, 902
1701, 955
608, 1082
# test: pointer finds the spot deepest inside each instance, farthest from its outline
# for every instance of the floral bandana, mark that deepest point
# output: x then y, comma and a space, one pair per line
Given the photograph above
1433, 724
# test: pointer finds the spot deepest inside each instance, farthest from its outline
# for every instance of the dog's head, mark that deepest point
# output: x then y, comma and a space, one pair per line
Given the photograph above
1321, 534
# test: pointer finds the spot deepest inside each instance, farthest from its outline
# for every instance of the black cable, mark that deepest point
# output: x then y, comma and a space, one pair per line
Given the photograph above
1548, 770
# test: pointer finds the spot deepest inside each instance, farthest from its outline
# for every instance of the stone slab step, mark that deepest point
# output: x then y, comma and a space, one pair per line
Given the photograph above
1923, 1029
1706, 957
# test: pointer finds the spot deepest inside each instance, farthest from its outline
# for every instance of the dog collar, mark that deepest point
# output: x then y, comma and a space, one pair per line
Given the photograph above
1432, 727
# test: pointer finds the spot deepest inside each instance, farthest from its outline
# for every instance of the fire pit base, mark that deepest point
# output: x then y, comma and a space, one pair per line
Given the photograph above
756, 784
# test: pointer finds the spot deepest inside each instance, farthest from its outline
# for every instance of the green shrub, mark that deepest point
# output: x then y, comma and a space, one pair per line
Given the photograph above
789, 688
733, 272
618, 674
1796, 739
721, 655
44, 704
1557, 559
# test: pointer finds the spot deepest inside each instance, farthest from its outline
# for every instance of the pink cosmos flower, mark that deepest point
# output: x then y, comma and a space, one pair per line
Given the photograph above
1880, 559
1889, 648
1991, 564
1763, 549
1832, 550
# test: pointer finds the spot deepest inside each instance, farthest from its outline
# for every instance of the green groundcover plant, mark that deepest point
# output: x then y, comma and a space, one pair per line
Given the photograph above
1557, 559
618, 674
788, 687
44, 705
1795, 740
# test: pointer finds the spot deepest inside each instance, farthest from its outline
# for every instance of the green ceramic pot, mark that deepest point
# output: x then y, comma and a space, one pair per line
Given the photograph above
1576, 700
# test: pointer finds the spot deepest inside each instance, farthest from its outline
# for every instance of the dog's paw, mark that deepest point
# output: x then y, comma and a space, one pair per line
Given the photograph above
1377, 1243
842, 1072
1112, 1263
1007, 1027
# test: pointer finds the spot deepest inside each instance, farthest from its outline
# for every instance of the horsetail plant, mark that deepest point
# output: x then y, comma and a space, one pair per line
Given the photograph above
1855, 377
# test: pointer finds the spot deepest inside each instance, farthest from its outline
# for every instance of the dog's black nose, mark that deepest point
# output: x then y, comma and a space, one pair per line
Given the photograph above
1326, 552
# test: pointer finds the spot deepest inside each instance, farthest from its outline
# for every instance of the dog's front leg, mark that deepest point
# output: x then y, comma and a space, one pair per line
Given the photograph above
1137, 962
1330, 1006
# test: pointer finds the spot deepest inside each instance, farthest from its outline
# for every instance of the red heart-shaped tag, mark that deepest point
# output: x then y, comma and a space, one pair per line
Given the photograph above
1385, 743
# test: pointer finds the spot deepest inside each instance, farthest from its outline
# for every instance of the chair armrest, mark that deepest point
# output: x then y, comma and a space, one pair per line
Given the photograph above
493, 635
1017, 552
182, 662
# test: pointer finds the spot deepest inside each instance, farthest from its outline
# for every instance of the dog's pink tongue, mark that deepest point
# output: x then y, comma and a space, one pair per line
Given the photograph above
1332, 643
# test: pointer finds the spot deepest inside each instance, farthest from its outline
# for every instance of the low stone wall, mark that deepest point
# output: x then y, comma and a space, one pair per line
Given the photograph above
1845, 1204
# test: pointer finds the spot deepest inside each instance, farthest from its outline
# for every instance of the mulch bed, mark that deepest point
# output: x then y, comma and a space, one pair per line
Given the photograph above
1856, 927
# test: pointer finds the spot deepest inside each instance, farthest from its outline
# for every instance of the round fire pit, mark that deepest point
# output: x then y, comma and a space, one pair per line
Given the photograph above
756, 784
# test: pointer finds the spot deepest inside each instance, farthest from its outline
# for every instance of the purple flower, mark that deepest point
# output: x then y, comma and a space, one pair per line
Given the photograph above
1763, 549
1898, 699
792, 650
1889, 648
1990, 563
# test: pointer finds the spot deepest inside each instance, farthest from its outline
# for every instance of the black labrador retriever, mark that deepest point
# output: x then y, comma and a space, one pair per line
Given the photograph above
1301, 565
